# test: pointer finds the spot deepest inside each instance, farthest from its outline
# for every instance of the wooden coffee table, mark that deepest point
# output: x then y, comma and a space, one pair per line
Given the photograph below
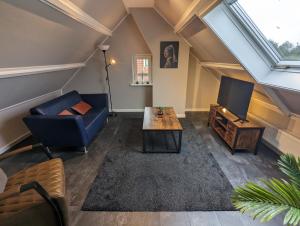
166, 123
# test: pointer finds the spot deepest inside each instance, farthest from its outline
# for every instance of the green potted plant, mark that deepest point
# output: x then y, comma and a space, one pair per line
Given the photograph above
160, 111
274, 196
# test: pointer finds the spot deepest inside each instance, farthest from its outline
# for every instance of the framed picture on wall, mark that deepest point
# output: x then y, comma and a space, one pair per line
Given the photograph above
169, 54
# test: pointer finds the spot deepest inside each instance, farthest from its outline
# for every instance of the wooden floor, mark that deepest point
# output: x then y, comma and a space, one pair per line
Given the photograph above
81, 170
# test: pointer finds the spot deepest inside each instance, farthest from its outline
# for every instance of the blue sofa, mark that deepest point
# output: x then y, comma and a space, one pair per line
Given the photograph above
53, 130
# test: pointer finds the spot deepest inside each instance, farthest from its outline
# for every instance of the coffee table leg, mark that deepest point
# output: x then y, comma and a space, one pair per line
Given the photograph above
166, 140
179, 141
144, 141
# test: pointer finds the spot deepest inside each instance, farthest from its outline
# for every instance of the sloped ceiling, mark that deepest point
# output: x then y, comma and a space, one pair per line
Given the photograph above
18, 89
35, 34
208, 48
172, 9
292, 99
109, 13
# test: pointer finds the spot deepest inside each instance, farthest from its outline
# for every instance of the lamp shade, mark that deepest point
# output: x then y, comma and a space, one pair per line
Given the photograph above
103, 47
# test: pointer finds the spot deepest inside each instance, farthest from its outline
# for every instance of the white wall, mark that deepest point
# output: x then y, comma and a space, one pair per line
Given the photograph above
169, 85
125, 43
282, 132
202, 87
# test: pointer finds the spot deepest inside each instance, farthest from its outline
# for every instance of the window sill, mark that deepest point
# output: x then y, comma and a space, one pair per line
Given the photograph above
133, 84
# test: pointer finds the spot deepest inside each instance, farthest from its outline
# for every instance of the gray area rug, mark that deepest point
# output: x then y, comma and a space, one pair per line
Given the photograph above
130, 180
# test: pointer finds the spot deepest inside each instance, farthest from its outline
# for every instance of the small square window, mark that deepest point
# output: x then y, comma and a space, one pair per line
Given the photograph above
142, 69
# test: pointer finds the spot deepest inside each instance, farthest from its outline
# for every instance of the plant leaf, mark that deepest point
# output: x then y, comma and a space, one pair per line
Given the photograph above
267, 202
291, 167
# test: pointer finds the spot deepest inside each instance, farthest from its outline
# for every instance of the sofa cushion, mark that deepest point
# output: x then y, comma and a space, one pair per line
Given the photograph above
3, 180
57, 105
82, 107
65, 113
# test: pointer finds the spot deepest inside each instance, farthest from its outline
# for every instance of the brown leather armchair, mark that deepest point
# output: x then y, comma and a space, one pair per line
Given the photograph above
35, 196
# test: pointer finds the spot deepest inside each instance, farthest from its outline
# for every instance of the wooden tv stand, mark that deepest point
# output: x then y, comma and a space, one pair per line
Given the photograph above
238, 135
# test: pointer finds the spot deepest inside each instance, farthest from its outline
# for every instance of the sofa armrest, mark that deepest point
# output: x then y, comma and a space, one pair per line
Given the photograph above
58, 130
96, 100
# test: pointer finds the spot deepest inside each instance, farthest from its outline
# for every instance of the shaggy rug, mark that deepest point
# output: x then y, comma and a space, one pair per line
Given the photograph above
130, 180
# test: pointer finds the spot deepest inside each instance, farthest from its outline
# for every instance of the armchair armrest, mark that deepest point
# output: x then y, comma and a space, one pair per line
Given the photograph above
96, 100
58, 130
25, 149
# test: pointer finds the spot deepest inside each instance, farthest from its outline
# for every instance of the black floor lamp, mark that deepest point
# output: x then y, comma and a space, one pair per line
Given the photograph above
104, 48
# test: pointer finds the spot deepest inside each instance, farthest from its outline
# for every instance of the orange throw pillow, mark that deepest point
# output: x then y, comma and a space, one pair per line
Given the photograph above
82, 107
65, 113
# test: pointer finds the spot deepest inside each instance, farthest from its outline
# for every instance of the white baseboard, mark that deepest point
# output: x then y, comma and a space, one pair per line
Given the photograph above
141, 110
14, 142
180, 115
197, 109
279, 139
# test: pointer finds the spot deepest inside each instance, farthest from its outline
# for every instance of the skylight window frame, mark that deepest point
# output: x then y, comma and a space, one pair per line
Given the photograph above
260, 39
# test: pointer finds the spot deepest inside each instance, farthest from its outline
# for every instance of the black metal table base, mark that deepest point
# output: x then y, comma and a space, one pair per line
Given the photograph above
177, 142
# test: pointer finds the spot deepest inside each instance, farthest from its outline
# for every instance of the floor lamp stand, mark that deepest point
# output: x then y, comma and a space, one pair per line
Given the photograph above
112, 113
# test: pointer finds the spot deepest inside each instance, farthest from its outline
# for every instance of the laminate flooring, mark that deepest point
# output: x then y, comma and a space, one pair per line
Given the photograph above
81, 169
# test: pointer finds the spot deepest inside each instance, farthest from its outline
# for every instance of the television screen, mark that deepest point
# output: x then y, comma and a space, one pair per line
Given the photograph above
235, 95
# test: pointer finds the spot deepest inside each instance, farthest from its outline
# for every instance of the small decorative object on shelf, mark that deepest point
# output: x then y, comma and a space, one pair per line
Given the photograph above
160, 111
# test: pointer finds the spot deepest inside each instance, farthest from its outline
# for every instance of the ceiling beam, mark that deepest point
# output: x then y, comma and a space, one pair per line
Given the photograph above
71, 10
22, 71
138, 4
187, 15
207, 7
197, 7
237, 67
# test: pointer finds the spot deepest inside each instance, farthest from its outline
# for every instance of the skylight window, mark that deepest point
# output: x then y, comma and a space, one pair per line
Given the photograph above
278, 21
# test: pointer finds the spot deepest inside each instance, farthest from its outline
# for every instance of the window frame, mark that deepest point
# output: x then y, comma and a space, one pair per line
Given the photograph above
134, 67
259, 38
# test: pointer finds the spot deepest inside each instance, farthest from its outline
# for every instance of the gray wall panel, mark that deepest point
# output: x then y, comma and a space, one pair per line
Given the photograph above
109, 13
32, 33
18, 89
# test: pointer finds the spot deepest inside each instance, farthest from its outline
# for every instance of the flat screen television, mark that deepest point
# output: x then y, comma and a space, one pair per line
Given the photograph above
235, 96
